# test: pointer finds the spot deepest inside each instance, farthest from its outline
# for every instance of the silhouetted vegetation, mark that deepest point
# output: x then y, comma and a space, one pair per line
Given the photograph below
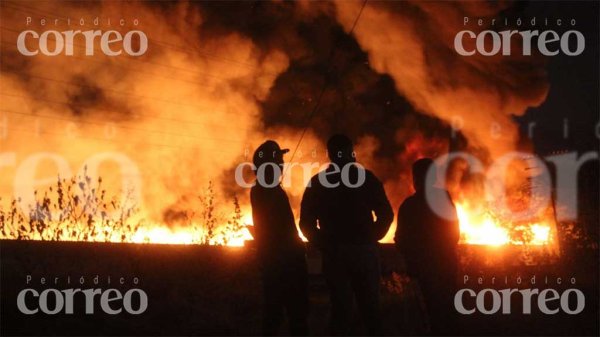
81, 209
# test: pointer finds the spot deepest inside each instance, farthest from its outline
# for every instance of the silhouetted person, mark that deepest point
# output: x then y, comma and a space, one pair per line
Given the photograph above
428, 242
338, 219
281, 252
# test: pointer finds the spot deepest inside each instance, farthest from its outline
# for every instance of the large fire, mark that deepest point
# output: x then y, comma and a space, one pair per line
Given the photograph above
185, 112
476, 227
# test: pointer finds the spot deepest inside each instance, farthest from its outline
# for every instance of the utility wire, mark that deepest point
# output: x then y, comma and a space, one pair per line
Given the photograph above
70, 105
120, 142
136, 59
128, 94
324, 89
103, 123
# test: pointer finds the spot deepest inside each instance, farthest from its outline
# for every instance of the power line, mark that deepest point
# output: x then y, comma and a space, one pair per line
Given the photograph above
129, 68
119, 142
70, 105
309, 117
125, 93
103, 123
38, 11
202, 73
165, 44
325, 85
132, 95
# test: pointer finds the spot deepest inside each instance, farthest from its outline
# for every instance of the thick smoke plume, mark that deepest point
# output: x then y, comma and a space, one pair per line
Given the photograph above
219, 78
182, 113
414, 43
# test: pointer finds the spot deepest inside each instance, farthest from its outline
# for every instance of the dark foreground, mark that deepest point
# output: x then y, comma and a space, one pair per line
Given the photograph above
200, 290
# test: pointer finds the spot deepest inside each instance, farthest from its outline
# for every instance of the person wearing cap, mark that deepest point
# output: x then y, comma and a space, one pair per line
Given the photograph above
337, 217
281, 252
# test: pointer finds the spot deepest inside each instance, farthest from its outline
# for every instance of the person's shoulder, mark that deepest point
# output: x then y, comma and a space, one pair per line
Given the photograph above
257, 190
315, 177
370, 177
438, 192
254, 191
315, 180
408, 202
410, 199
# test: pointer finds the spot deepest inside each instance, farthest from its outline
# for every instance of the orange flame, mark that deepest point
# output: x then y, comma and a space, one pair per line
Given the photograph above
481, 228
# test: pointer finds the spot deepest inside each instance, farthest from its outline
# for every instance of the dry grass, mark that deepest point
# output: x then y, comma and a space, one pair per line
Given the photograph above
81, 209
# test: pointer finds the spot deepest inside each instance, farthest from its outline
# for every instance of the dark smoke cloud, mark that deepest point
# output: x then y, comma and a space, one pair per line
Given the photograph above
359, 101
393, 85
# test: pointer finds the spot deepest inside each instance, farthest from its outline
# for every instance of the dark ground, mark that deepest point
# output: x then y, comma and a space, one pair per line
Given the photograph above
200, 290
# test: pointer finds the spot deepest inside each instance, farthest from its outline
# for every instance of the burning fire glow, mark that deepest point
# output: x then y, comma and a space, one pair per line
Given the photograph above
480, 228
476, 229
204, 91
165, 235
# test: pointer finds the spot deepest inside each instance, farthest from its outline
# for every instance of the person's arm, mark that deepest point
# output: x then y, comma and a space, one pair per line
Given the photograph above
398, 235
405, 239
382, 208
309, 215
454, 222
259, 214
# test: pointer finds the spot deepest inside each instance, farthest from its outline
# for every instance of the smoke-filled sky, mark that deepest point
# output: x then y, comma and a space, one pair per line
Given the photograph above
221, 77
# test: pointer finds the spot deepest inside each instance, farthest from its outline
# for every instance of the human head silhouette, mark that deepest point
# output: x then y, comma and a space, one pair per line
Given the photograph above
340, 150
269, 153
420, 169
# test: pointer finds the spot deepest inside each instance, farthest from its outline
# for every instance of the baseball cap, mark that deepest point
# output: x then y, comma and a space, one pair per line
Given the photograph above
266, 151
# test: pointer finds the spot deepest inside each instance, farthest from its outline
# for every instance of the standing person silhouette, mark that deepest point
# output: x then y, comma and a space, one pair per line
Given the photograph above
281, 252
337, 216
427, 235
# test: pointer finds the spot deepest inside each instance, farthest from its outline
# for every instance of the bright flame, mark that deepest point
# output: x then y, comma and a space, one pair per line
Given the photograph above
477, 227
165, 235
480, 228
155, 234
541, 234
